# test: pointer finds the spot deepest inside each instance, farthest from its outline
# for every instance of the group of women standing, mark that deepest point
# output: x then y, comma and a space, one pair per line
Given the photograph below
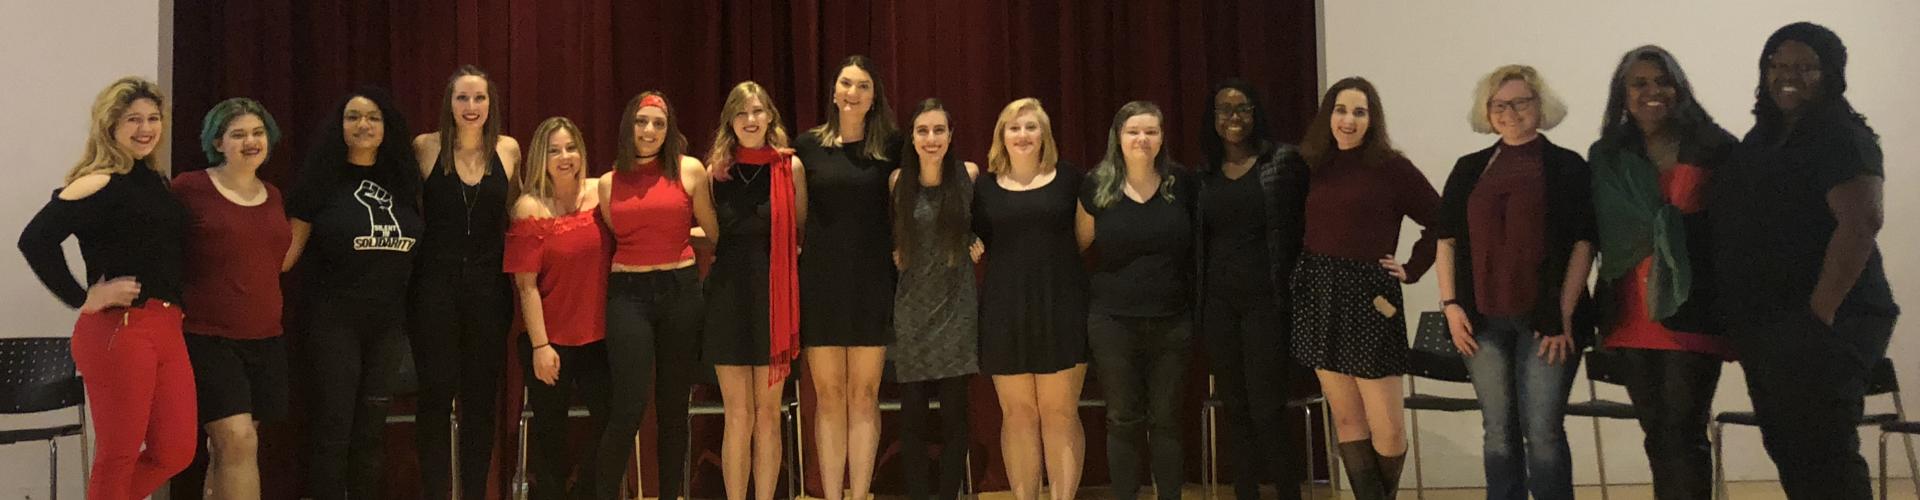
1709, 249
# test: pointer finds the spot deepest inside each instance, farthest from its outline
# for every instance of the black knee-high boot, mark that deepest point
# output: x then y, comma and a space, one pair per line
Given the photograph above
1390, 468
1363, 470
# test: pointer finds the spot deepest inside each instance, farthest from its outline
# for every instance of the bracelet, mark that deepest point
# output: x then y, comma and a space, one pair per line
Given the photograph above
536, 348
1449, 302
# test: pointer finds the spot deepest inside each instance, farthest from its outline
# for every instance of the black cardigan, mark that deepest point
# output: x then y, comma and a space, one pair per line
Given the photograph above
1569, 216
1283, 181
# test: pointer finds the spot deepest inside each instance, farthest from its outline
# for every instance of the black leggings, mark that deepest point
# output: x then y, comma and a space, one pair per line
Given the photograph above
653, 339
583, 373
1243, 333
952, 392
354, 346
1672, 395
461, 313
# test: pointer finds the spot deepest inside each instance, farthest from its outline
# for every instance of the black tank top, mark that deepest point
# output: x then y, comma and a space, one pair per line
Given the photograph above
466, 222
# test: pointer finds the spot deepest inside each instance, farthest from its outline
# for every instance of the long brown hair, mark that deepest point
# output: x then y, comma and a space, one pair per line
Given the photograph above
1318, 145
953, 199
450, 134
627, 154
720, 158
103, 153
880, 129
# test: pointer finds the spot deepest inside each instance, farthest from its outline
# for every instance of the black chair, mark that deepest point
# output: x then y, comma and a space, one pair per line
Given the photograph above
1432, 356
38, 375
1602, 366
1882, 380
406, 384
1905, 430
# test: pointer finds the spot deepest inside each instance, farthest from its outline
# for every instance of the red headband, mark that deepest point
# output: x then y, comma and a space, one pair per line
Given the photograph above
653, 100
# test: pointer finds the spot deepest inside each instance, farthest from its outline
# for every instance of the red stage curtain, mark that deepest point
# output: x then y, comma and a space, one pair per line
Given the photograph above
584, 58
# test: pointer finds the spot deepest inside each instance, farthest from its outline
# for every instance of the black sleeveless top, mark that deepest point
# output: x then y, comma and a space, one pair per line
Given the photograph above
466, 222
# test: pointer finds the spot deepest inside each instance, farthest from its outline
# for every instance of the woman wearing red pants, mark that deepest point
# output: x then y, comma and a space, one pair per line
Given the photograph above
127, 341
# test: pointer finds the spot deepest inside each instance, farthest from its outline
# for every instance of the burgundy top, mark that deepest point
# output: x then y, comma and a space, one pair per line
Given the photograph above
1354, 210
570, 253
1506, 219
233, 256
651, 217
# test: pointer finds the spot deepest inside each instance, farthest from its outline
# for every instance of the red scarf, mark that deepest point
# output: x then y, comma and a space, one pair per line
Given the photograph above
783, 282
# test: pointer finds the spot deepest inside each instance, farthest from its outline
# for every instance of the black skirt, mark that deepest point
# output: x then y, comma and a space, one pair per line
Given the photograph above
1339, 324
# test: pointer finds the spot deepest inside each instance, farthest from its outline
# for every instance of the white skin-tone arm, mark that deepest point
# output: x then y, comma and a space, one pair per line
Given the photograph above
693, 177
893, 179
509, 150
1858, 207
799, 196
546, 363
1457, 322
426, 152
977, 249
1082, 226
301, 230
1557, 349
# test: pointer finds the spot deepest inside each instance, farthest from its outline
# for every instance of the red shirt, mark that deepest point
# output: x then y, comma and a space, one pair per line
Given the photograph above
1354, 210
1506, 217
1635, 327
651, 217
233, 256
570, 253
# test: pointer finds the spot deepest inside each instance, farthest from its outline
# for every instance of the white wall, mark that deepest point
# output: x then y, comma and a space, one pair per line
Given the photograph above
58, 55
1426, 56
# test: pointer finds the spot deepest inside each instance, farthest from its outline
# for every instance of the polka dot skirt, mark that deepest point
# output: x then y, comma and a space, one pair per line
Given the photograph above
1338, 322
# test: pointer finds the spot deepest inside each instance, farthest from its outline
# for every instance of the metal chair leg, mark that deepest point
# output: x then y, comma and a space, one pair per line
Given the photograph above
639, 470
1307, 447
520, 464
1913, 466
1719, 461
1212, 457
86, 445
1333, 452
1419, 472
453, 451
53, 468
1883, 465
1600, 454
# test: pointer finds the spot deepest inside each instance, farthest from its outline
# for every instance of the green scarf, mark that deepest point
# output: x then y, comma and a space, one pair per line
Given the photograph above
1635, 222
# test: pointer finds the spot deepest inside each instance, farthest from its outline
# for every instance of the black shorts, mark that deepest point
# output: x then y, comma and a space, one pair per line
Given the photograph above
235, 376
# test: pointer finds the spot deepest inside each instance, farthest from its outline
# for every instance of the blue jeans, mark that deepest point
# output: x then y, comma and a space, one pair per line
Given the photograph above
1523, 403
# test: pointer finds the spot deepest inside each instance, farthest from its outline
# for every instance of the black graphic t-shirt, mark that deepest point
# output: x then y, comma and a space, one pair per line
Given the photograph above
362, 241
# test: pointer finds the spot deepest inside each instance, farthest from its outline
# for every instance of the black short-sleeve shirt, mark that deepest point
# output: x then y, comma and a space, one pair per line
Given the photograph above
1143, 252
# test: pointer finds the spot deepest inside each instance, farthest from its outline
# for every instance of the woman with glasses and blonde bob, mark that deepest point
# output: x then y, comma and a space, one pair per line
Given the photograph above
127, 341
1516, 245
753, 293
1033, 305
558, 257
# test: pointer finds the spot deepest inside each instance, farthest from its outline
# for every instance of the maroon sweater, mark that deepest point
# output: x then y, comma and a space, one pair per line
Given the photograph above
1354, 210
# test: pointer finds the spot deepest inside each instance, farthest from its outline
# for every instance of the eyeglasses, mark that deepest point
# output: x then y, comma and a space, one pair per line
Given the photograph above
1520, 105
1242, 110
1806, 70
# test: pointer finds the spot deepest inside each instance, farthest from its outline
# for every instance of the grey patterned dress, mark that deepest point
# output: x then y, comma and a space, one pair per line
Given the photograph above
935, 309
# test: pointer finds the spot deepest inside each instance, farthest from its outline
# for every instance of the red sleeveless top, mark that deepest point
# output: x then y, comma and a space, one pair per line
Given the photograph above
651, 217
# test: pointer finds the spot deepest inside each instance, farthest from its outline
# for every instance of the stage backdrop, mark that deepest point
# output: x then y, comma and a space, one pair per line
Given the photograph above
584, 59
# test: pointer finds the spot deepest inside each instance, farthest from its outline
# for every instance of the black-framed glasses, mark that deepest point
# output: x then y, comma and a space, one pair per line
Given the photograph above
1520, 105
1241, 110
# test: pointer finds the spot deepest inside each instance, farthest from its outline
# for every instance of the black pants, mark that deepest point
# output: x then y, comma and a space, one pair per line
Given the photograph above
952, 392
1672, 394
1142, 367
653, 340
461, 312
1807, 381
583, 373
355, 349
1247, 341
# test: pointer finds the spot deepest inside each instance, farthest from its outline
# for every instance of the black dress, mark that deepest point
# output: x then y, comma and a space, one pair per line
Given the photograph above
736, 324
1033, 307
846, 272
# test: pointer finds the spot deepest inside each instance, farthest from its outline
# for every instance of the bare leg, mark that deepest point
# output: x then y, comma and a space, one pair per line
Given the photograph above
766, 433
233, 469
828, 368
1019, 433
1066, 441
736, 443
864, 367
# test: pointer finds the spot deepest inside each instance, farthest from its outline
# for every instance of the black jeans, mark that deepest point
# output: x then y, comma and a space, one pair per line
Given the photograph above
355, 349
952, 392
583, 373
461, 313
1247, 341
1142, 367
653, 340
1672, 394
1808, 382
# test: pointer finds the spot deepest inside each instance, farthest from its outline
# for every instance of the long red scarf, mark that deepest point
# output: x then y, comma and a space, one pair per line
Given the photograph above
783, 282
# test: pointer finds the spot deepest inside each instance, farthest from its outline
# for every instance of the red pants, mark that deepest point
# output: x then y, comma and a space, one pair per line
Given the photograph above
140, 386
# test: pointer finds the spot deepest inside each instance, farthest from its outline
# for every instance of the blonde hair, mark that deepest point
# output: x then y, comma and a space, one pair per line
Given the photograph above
534, 179
997, 160
720, 158
1552, 109
103, 154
